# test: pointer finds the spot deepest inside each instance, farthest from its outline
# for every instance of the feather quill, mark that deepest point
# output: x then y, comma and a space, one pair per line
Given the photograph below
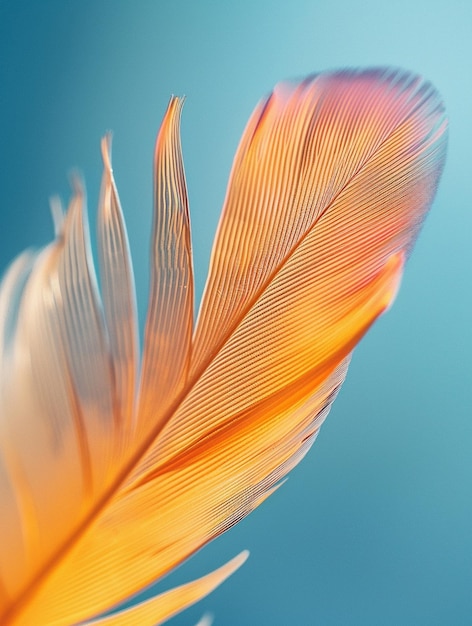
108, 479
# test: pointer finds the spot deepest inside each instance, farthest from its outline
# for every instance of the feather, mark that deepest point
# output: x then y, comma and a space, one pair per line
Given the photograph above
108, 480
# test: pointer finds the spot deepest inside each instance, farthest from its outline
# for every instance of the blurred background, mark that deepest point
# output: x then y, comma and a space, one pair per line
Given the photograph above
374, 526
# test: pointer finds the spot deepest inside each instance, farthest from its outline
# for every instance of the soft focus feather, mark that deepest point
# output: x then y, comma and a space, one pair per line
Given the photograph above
107, 482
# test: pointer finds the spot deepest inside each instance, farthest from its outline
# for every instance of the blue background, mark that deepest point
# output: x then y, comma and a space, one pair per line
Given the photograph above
374, 527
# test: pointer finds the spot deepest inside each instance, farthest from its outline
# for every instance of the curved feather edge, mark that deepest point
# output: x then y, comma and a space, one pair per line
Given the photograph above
161, 608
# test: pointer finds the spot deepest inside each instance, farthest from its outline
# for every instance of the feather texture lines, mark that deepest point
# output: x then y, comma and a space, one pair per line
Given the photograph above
112, 473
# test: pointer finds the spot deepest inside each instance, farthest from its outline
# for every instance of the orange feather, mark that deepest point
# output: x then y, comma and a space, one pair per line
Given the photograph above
110, 478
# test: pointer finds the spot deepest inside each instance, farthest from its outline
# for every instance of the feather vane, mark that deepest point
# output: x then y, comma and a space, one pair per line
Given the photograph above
110, 478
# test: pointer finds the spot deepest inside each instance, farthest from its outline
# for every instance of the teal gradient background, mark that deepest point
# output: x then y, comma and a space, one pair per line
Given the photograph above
374, 526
